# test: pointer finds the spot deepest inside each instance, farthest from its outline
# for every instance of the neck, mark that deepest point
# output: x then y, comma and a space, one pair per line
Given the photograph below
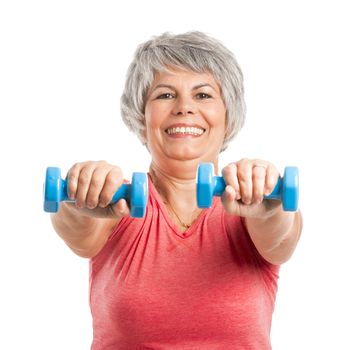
176, 182
175, 185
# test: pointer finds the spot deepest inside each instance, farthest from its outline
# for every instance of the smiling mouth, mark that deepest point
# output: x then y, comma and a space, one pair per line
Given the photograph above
185, 131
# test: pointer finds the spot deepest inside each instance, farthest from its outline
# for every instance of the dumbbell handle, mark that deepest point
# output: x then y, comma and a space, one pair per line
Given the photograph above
219, 188
122, 192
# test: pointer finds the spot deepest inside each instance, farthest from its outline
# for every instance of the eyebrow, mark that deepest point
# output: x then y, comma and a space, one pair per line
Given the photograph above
173, 88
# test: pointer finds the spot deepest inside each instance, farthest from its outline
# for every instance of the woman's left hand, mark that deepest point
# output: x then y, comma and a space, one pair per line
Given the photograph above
247, 181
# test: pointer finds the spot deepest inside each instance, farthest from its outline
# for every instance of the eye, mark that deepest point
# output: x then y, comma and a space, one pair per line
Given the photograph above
166, 96
203, 96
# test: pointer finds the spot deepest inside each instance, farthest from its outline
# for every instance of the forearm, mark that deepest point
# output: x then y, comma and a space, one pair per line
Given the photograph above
277, 235
76, 229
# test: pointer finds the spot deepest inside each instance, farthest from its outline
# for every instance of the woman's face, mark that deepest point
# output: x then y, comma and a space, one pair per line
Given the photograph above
185, 116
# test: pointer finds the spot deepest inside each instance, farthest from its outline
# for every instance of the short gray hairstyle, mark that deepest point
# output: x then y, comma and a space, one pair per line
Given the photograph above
194, 51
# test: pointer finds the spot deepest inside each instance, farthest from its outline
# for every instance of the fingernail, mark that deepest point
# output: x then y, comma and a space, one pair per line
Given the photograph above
71, 196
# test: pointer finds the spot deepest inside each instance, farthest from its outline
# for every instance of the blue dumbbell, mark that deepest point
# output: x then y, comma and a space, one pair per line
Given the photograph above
136, 193
286, 189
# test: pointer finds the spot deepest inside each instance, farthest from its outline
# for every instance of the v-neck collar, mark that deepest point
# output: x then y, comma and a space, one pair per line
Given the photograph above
168, 218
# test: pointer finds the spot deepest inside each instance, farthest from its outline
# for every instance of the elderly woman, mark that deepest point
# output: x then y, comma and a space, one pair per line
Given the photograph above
181, 277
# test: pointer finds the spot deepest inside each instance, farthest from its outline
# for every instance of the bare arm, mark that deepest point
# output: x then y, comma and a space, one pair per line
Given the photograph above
274, 232
86, 225
276, 237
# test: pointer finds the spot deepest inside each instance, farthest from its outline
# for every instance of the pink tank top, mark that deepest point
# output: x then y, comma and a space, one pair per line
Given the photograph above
154, 287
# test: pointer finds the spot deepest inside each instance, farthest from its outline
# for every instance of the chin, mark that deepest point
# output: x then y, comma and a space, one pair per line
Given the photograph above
183, 154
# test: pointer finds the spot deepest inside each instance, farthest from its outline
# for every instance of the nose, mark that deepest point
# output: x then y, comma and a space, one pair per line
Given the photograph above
184, 106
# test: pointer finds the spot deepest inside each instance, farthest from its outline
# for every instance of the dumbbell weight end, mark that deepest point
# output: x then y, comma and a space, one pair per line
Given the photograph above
55, 190
287, 189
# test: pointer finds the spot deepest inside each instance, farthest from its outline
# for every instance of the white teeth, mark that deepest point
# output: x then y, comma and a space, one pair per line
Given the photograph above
185, 130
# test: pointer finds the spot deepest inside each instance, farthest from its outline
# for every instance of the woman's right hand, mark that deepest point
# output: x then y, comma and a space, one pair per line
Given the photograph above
92, 185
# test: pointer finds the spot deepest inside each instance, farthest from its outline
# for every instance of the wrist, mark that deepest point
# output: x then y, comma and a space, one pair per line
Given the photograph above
274, 218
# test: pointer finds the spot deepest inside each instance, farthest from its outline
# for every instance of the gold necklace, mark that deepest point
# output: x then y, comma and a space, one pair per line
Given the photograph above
186, 226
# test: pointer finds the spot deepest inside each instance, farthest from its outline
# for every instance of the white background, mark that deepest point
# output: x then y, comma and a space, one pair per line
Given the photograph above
62, 70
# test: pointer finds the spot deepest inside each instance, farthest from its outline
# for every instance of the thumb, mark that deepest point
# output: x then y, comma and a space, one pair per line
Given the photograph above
120, 209
229, 200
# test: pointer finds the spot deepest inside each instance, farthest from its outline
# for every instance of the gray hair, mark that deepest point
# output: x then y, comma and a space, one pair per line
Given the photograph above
194, 51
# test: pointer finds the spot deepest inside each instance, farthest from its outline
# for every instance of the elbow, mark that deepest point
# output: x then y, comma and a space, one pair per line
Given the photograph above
277, 258
87, 248
82, 253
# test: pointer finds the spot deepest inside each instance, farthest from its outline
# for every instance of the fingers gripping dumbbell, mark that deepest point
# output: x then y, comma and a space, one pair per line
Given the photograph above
286, 189
136, 193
